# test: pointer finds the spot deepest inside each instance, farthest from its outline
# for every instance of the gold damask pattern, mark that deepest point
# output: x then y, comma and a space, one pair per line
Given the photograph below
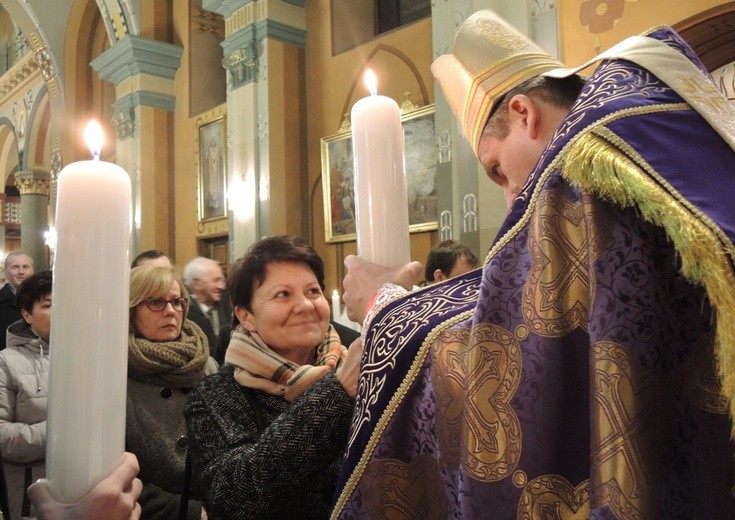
557, 294
551, 497
476, 374
397, 490
626, 417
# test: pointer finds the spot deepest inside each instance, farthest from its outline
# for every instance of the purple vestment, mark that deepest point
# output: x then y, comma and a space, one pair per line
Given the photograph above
575, 375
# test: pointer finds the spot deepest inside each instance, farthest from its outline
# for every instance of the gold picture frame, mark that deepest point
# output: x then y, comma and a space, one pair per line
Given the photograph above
211, 149
421, 160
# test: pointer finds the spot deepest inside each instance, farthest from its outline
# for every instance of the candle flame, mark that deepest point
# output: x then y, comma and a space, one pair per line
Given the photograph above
94, 137
371, 82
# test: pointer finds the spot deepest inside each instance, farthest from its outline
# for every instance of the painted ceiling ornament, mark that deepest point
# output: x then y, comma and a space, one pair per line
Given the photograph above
599, 16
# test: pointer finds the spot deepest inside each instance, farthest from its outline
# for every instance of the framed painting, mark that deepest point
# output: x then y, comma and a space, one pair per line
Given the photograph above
212, 168
420, 158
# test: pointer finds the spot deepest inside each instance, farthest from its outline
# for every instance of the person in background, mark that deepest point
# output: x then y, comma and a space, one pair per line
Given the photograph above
448, 259
24, 366
114, 498
269, 429
167, 357
588, 369
209, 306
152, 257
18, 267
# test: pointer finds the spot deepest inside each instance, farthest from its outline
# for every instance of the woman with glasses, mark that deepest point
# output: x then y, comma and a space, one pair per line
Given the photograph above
167, 356
269, 429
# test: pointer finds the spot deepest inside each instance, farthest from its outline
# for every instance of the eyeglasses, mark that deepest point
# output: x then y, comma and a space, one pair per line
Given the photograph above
158, 304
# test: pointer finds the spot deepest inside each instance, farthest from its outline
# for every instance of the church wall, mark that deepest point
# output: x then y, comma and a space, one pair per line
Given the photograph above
587, 27
401, 60
316, 89
185, 131
287, 164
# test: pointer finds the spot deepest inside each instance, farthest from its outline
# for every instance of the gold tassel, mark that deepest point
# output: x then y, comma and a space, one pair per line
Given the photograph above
598, 166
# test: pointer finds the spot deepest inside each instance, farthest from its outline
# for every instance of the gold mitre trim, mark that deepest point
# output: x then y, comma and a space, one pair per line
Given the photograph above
470, 86
488, 89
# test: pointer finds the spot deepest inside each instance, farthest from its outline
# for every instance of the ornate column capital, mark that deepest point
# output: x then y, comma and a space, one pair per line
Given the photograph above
124, 123
33, 182
242, 64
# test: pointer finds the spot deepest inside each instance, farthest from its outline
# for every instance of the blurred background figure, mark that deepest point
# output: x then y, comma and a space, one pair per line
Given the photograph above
209, 305
167, 357
448, 259
18, 267
269, 429
151, 257
24, 368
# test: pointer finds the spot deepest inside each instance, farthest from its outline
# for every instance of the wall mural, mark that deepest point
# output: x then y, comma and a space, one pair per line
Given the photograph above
599, 16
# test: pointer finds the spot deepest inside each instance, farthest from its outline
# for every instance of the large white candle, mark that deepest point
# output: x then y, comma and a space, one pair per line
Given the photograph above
380, 180
88, 372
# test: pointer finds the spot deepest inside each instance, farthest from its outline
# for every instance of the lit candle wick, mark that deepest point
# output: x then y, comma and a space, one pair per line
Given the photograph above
371, 82
93, 137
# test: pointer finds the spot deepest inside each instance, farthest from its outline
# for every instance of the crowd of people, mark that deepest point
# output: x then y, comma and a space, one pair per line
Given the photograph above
586, 367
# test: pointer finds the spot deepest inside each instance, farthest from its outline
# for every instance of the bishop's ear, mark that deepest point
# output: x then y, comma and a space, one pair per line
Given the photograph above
523, 111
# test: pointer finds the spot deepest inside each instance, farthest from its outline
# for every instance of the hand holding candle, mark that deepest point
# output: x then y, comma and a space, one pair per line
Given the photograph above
380, 179
88, 354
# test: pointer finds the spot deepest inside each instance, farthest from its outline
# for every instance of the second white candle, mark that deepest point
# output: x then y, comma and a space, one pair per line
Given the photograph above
381, 203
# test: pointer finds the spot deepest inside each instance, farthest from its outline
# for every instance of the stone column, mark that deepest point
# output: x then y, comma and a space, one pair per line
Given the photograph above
471, 207
143, 71
2, 226
264, 58
34, 197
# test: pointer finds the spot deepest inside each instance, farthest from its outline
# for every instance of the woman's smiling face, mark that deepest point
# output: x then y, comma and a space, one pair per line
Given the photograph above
289, 311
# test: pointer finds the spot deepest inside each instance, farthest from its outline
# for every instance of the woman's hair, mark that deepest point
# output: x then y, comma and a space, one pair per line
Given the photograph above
33, 289
250, 270
152, 281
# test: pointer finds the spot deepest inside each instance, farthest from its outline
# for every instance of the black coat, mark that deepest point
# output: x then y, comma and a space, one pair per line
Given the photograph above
9, 312
224, 313
259, 456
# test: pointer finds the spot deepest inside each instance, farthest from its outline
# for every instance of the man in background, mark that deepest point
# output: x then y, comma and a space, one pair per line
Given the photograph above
209, 306
151, 257
448, 259
18, 267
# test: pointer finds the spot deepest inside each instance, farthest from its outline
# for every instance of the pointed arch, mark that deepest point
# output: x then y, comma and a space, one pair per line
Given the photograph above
380, 54
88, 96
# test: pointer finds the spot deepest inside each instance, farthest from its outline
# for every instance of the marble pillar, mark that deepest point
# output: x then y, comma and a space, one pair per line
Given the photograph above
34, 202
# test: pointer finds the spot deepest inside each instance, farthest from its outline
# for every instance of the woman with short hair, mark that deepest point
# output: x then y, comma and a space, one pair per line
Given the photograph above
24, 366
269, 429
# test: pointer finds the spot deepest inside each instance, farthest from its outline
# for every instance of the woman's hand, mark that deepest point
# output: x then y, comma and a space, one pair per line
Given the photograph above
114, 498
363, 280
349, 371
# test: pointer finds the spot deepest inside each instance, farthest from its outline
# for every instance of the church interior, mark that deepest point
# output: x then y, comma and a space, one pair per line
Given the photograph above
232, 120
232, 116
